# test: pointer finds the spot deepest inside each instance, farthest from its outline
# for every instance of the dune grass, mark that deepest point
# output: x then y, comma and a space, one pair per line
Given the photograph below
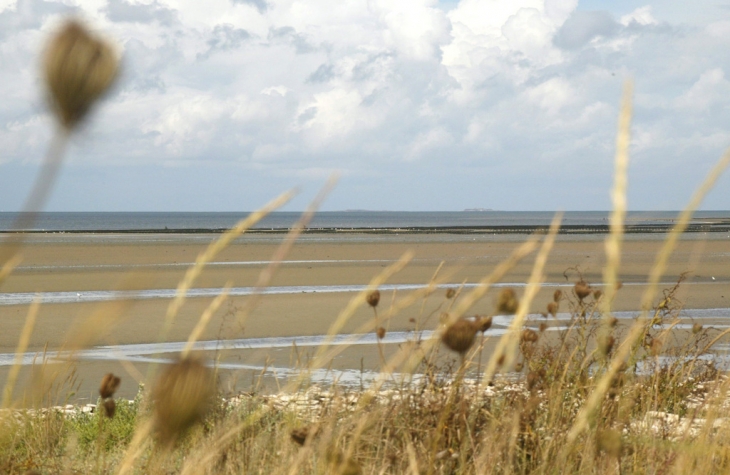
594, 397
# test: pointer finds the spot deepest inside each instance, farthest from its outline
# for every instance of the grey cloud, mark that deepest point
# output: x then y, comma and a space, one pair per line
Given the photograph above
29, 15
122, 11
224, 38
324, 73
261, 5
583, 26
290, 35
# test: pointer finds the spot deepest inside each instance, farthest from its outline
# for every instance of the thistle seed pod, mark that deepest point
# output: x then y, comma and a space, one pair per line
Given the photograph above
450, 293
373, 298
557, 296
109, 385
605, 344
507, 302
182, 397
552, 308
529, 336
696, 328
300, 436
459, 337
380, 332
483, 323
582, 289
110, 407
656, 346
79, 68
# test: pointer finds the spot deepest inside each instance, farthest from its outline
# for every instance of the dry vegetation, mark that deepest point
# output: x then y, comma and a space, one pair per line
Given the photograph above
593, 397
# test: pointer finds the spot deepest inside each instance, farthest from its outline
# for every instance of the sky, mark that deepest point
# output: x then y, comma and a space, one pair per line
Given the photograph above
418, 105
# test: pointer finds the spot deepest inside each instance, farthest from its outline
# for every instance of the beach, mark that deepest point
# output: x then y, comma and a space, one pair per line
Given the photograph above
78, 273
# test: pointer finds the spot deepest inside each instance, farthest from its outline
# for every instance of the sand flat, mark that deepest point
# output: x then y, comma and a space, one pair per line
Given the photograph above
84, 263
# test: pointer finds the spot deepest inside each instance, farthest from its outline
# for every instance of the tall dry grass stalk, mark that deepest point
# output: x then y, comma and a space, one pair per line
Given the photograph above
637, 330
213, 250
23, 341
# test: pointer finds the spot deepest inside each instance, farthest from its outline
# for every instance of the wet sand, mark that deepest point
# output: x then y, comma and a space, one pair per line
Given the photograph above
85, 263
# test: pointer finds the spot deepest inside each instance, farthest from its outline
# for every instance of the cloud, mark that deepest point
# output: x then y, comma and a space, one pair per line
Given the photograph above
501, 104
584, 26
123, 11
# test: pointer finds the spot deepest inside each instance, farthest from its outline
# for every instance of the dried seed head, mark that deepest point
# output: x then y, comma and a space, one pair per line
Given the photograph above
529, 336
110, 407
182, 396
619, 284
533, 380
300, 435
605, 344
483, 323
543, 327
557, 296
582, 289
518, 366
597, 294
79, 68
500, 360
696, 328
609, 441
109, 385
552, 308
612, 321
380, 332
450, 293
507, 301
459, 337
656, 346
373, 298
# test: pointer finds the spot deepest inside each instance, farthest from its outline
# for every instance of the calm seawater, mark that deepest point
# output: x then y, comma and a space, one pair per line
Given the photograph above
129, 221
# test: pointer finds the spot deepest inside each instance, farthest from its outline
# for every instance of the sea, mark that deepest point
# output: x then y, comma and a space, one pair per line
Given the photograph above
339, 220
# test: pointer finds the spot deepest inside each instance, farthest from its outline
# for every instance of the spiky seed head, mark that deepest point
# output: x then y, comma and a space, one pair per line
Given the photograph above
656, 346
109, 385
182, 396
609, 441
483, 323
605, 344
300, 435
459, 336
533, 380
373, 298
380, 332
529, 336
597, 294
557, 295
552, 308
110, 407
507, 301
450, 293
696, 328
582, 289
79, 68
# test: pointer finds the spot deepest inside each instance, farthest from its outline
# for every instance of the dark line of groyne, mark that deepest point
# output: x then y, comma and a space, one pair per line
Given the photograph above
509, 229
